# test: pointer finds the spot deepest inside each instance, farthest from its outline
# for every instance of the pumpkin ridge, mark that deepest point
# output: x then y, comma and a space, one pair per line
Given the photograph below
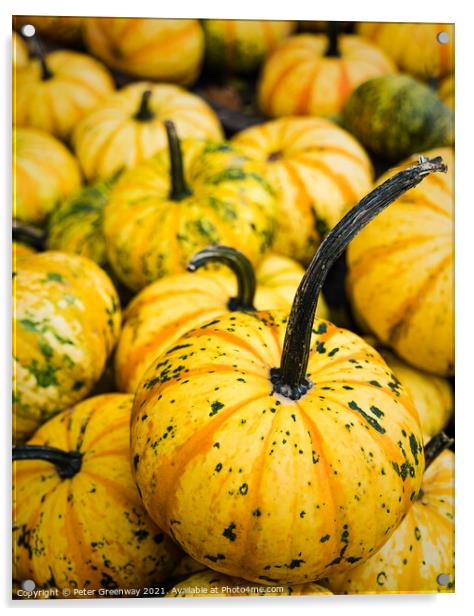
117, 489
333, 149
270, 96
111, 427
50, 538
101, 150
162, 46
304, 97
423, 201
228, 337
119, 451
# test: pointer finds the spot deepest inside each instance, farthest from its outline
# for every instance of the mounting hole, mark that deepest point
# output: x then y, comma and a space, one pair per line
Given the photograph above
28, 30
442, 37
443, 579
28, 585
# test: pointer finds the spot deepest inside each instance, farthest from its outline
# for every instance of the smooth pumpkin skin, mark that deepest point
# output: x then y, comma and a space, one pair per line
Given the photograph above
414, 46
256, 485
20, 52
44, 173
318, 170
419, 550
240, 46
160, 49
211, 584
66, 322
149, 236
395, 116
297, 78
78, 85
90, 531
170, 307
400, 272
61, 29
111, 138
446, 91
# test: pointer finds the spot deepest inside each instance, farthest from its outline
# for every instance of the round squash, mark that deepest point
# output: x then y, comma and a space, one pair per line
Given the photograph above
318, 170
78, 521
164, 210
211, 584
20, 52
414, 46
240, 46
446, 91
162, 49
400, 273
44, 173
66, 323
395, 116
168, 308
419, 556
54, 92
128, 127
274, 465
306, 75
63, 29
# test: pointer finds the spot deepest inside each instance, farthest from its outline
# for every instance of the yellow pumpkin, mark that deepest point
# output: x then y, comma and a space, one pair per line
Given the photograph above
419, 556
66, 323
240, 46
446, 91
78, 521
54, 92
318, 170
308, 76
280, 467
164, 210
128, 127
162, 49
400, 277
168, 308
20, 251
414, 47
62, 29
211, 584
44, 173
20, 52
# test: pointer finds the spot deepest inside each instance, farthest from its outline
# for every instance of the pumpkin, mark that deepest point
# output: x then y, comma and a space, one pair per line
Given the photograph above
78, 521
161, 49
395, 116
163, 211
44, 173
414, 46
66, 322
211, 584
168, 308
186, 567
279, 474
128, 127
400, 273
446, 91
240, 46
62, 29
20, 251
419, 556
307, 75
20, 52
57, 90
318, 170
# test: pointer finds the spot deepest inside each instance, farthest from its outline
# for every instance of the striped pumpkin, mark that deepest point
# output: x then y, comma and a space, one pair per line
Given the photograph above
240, 46
128, 127
400, 278
299, 79
162, 49
66, 322
20, 52
414, 47
88, 530
446, 91
55, 92
318, 170
44, 173
211, 584
62, 29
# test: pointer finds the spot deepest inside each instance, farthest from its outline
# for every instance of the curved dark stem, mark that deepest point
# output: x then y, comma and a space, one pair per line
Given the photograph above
67, 463
179, 188
144, 113
436, 446
239, 264
290, 379
37, 50
333, 50
33, 236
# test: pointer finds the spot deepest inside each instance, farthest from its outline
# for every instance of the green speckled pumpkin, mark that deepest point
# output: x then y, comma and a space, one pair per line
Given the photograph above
153, 224
66, 322
396, 115
85, 527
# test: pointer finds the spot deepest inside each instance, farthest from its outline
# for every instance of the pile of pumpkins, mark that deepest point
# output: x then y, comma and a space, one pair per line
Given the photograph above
203, 432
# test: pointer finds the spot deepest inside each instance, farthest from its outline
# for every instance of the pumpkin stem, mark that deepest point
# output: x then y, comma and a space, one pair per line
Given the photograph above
290, 379
239, 264
144, 113
29, 32
67, 463
436, 446
179, 188
33, 236
333, 50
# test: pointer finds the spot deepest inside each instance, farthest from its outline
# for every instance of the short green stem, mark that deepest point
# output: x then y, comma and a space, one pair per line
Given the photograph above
33, 236
333, 50
67, 463
179, 188
36, 49
436, 446
145, 113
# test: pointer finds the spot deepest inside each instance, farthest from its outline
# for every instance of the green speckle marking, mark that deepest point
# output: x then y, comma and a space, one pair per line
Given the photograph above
216, 407
370, 420
244, 489
324, 538
228, 532
54, 277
